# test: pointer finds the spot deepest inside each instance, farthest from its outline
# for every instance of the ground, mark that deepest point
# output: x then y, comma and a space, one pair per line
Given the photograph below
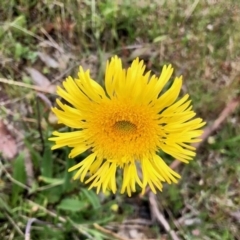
43, 42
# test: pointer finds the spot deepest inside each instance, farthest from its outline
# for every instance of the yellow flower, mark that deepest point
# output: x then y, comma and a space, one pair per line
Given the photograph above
125, 125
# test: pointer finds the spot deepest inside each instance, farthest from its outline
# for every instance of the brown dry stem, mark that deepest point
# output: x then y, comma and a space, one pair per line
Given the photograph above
229, 109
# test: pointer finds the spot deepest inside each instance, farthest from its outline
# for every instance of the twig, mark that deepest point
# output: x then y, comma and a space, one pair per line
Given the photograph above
108, 232
207, 132
14, 224
61, 76
28, 228
159, 216
62, 219
20, 84
45, 100
52, 41
229, 109
12, 179
29, 225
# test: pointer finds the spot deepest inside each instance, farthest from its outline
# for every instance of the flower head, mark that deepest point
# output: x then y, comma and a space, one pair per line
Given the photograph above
126, 124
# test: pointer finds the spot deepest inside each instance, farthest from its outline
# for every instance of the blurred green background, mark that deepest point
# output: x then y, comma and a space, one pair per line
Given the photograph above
43, 42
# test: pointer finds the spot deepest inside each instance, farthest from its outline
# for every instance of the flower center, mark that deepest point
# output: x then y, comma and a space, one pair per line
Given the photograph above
124, 127
122, 131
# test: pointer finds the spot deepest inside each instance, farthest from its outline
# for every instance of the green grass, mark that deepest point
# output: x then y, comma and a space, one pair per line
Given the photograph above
202, 43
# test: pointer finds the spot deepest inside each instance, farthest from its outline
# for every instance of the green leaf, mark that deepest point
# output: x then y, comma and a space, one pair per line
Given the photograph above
4, 205
160, 38
92, 198
19, 174
19, 21
71, 204
54, 181
47, 163
67, 185
35, 156
18, 26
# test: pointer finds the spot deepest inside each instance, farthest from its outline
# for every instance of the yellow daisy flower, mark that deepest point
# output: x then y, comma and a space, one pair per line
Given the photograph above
125, 125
